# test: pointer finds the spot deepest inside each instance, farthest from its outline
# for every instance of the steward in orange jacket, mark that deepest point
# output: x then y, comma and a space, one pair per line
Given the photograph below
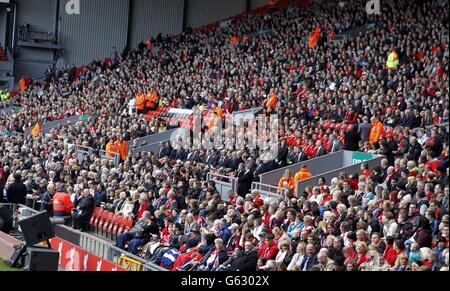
140, 103
36, 129
122, 148
272, 101
376, 131
111, 147
62, 205
302, 175
151, 101
287, 181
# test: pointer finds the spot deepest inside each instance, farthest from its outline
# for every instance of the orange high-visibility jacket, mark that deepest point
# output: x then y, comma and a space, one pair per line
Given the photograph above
140, 101
272, 101
62, 203
234, 40
36, 129
111, 149
376, 132
122, 149
22, 84
286, 182
151, 99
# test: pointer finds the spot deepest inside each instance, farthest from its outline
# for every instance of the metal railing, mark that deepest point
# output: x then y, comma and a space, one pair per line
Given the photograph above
273, 192
340, 38
224, 184
8, 133
82, 151
154, 148
48, 126
151, 139
108, 251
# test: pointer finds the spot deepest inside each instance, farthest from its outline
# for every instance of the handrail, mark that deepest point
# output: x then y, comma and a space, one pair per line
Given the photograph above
80, 149
107, 251
270, 191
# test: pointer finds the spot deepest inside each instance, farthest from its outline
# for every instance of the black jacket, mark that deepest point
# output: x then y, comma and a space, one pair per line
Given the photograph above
245, 263
321, 152
86, 206
352, 139
245, 180
17, 193
308, 263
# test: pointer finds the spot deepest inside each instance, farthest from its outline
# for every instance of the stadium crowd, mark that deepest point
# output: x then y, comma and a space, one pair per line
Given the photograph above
330, 96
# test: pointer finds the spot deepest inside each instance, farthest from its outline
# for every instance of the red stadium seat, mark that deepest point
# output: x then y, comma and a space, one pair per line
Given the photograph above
98, 218
117, 224
102, 219
94, 215
111, 224
105, 222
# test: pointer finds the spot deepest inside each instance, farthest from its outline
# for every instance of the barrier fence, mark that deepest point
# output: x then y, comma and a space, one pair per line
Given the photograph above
83, 151
150, 143
224, 184
274, 193
46, 127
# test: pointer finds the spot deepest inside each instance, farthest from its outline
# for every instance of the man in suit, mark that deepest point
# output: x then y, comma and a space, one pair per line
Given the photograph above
302, 157
321, 151
84, 209
310, 259
293, 155
192, 156
223, 160
262, 168
335, 144
164, 150
245, 179
282, 155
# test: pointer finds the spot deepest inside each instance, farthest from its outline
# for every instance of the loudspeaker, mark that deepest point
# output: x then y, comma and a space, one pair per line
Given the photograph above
6, 219
41, 260
37, 228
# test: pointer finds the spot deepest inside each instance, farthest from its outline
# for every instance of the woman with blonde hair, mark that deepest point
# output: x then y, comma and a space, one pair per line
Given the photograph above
361, 252
284, 255
190, 224
287, 180
298, 257
401, 264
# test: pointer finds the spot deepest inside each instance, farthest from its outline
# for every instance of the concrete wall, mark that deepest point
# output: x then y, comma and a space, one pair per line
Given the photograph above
151, 17
203, 12
100, 26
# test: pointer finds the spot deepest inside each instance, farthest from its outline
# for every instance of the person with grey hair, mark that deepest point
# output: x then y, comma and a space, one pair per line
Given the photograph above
84, 207
45, 200
215, 257
143, 226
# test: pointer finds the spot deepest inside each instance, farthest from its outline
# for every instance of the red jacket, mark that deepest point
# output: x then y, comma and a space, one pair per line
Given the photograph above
390, 255
268, 251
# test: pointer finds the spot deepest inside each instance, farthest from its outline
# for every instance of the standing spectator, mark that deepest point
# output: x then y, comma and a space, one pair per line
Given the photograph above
17, 191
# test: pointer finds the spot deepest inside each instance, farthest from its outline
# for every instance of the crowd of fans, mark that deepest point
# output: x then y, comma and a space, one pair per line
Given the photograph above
392, 217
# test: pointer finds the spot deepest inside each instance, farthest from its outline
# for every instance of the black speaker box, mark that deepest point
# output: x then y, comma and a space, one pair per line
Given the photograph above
37, 228
6, 219
41, 260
